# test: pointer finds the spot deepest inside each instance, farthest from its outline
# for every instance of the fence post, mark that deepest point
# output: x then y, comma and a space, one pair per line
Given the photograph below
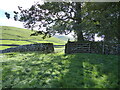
89, 48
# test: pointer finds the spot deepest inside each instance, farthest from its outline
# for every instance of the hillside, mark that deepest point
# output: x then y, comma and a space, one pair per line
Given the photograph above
18, 36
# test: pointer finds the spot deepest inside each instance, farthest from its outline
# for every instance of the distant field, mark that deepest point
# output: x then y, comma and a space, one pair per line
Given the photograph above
13, 35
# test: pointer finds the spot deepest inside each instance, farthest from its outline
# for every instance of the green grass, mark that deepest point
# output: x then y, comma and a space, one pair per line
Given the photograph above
15, 42
56, 70
23, 34
5, 47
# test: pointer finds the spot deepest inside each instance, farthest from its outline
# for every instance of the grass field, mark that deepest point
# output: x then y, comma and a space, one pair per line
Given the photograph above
54, 70
13, 35
57, 70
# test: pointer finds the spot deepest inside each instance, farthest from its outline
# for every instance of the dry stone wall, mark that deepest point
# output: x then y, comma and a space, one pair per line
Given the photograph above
42, 47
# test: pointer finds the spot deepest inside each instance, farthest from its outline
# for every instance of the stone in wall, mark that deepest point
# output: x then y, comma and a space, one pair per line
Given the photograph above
42, 47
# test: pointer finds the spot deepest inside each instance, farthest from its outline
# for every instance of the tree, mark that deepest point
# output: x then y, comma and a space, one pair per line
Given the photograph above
56, 17
85, 19
103, 19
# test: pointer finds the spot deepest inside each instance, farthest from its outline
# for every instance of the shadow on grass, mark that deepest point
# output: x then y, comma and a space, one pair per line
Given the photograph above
89, 71
35, 70
72, 73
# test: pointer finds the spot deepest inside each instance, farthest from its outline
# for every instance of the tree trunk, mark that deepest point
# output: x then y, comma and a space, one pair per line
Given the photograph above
78, 20
79, 36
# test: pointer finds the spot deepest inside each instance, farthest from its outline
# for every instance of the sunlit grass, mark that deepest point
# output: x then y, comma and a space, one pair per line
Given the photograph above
5, 47
35, 70
22, 37
24, 34
15, 42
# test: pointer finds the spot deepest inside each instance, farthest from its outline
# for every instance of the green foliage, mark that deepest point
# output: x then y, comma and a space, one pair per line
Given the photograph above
89, 18
102, 18
56, 70
56, 17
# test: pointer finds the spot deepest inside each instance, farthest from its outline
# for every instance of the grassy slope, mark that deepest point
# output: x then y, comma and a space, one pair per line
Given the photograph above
23, 34
35, 70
